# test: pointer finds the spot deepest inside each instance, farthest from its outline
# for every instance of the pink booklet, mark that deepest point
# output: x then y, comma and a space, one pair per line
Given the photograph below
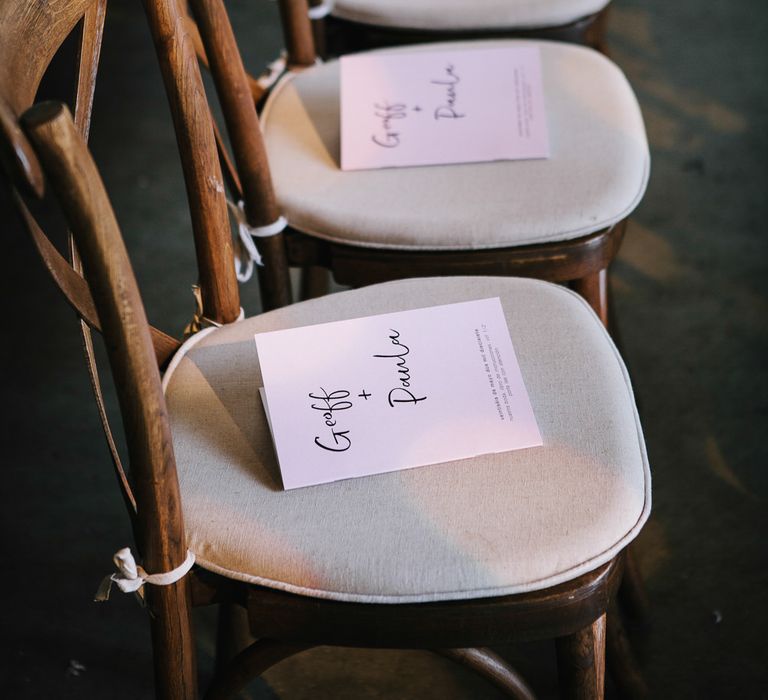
393, 391
438, 107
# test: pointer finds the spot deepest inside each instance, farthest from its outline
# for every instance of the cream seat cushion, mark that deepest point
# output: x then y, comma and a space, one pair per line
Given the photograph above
595, 177
466, 14
486, 526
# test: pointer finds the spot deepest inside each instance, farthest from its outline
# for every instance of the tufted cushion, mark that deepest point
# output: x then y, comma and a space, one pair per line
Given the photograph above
595, 177
466, 14
491, 525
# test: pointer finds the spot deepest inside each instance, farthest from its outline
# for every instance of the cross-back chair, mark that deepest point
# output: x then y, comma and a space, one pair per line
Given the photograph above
560, 219
522, 545
30, 36
344, 26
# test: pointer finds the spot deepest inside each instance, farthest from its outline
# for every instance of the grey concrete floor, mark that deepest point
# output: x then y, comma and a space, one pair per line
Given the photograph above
691, 298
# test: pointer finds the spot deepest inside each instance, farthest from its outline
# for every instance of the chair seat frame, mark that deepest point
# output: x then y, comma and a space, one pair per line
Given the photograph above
284, 624
582, 262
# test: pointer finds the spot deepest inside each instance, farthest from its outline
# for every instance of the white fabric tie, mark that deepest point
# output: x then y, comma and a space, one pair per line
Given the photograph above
273, 72
130, 577
246, 252
321, 10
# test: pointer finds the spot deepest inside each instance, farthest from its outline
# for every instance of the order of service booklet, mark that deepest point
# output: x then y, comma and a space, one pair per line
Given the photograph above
393, 391
442, 106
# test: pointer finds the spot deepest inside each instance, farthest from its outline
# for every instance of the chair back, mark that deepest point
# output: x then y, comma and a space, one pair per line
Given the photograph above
202, 172
72, 175
247, 173
42, 147
30, 35
298, 32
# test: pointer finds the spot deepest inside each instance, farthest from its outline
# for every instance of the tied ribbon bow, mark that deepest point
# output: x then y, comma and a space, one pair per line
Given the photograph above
130, 577
246, 252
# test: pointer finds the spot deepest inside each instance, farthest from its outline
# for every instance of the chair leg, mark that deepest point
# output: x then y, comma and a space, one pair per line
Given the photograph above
248, 665
318, 32
493, 668
632, 593
314, 282
620, 659
596, 33
594, 288
581, 662
232, 633
172, 641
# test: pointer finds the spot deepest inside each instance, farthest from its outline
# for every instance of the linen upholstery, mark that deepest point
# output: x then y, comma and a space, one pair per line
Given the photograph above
491, 525
596, 175
466, 14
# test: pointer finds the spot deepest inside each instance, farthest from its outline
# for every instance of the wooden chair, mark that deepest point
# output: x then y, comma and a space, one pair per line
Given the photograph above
394, 560
345, 26
560, 219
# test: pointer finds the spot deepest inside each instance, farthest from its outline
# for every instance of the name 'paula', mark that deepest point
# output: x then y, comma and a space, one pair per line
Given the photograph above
400, 394
449, 81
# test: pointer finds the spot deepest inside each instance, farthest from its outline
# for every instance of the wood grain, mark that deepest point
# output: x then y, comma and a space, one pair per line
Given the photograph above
581, 662
297, 32
78, 187
202, 172
250, 156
